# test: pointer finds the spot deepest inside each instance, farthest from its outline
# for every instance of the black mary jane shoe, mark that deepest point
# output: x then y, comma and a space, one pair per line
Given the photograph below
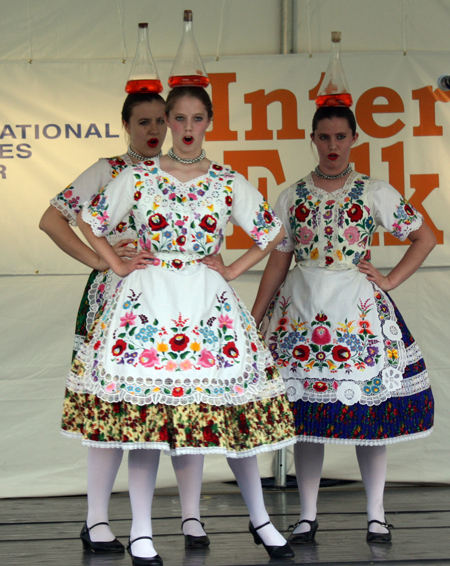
191, 541
284, 551
93, 546
308, 536
379, 537
141, 561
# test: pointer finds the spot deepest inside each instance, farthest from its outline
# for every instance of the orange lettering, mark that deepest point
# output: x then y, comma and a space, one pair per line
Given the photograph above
427, 111
260, 101
360, 156
221, 123
241, 161
366, 108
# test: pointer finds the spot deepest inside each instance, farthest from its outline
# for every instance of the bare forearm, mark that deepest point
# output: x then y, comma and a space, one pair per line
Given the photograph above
414, 257
57, 227
253, 256
100, 245
273, 276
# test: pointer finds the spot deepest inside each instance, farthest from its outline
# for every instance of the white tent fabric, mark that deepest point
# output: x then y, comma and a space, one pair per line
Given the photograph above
61, 62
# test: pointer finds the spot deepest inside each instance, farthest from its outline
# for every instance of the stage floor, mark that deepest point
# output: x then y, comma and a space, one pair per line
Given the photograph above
45, 531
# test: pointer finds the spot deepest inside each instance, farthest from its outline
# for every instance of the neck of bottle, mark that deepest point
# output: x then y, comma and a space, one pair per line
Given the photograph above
336, 49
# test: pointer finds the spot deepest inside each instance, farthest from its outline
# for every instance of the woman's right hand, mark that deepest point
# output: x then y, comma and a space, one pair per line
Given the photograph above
124, 248
125, 266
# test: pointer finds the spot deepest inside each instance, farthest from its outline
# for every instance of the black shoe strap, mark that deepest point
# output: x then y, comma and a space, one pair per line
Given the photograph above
139, 538
261, 526
96, 525
192, 519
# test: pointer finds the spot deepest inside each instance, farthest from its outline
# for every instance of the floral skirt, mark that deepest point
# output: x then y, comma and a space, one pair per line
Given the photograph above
406, 415
235, 431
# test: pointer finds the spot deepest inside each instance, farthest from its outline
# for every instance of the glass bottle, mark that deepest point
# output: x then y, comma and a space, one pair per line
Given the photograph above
143, 75
334, 90
188, 68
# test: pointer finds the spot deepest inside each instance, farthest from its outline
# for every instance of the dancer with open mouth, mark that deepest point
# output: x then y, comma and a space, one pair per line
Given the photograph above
174, 349
144, 122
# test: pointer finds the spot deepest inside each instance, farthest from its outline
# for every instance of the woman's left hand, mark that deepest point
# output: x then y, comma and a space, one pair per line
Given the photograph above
374, 275
215, 262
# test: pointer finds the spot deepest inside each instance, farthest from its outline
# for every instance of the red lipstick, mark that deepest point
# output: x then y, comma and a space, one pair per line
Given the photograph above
153, 142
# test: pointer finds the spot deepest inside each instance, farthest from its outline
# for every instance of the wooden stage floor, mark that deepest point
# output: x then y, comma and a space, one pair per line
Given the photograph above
45, 531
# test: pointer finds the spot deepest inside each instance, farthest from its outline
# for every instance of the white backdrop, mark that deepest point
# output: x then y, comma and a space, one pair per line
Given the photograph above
76, 78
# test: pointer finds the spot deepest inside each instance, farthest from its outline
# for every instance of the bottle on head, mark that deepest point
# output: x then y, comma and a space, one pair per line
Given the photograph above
334, 90
188, 68
143, 75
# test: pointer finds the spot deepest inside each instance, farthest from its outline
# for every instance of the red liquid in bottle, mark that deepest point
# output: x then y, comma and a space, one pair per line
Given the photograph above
188, 80
340, 99
144, 85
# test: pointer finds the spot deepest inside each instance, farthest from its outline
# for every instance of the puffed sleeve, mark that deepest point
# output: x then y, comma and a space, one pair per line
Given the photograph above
393, 212
282, 210
112, 203
70, 200
252, 213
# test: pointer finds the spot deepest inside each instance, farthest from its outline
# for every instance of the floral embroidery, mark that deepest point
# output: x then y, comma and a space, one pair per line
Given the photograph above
350, 346
405, 215
187, 219
177, 349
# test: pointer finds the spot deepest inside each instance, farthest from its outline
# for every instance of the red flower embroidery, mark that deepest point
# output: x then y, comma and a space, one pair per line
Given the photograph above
254, 347
181, 240
208, 223
121, 227
301, 352
268, 217
228, 201
157, 222
321, 317
177, 391
177, 263
409, 211
96, 200
329, 260
137, 195
119, 347
179, 342
301, 213
217, 167
230, 350
341, 354
97, 345
320, 386
355, 213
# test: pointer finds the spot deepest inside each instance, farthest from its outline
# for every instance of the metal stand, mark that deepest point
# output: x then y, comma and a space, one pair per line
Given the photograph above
279, 480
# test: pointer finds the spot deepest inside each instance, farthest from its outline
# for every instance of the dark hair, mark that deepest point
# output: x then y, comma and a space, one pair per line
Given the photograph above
137, 98
192, 91
334, 112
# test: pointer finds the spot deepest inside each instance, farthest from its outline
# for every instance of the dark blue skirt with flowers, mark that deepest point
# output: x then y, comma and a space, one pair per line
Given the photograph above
396, 419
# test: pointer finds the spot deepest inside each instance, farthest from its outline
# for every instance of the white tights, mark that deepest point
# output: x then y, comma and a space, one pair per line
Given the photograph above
372, 462
246, 473
103, 465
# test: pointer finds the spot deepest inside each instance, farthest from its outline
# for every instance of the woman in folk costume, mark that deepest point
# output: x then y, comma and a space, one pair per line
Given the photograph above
174, 361
144, 121
353, 372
